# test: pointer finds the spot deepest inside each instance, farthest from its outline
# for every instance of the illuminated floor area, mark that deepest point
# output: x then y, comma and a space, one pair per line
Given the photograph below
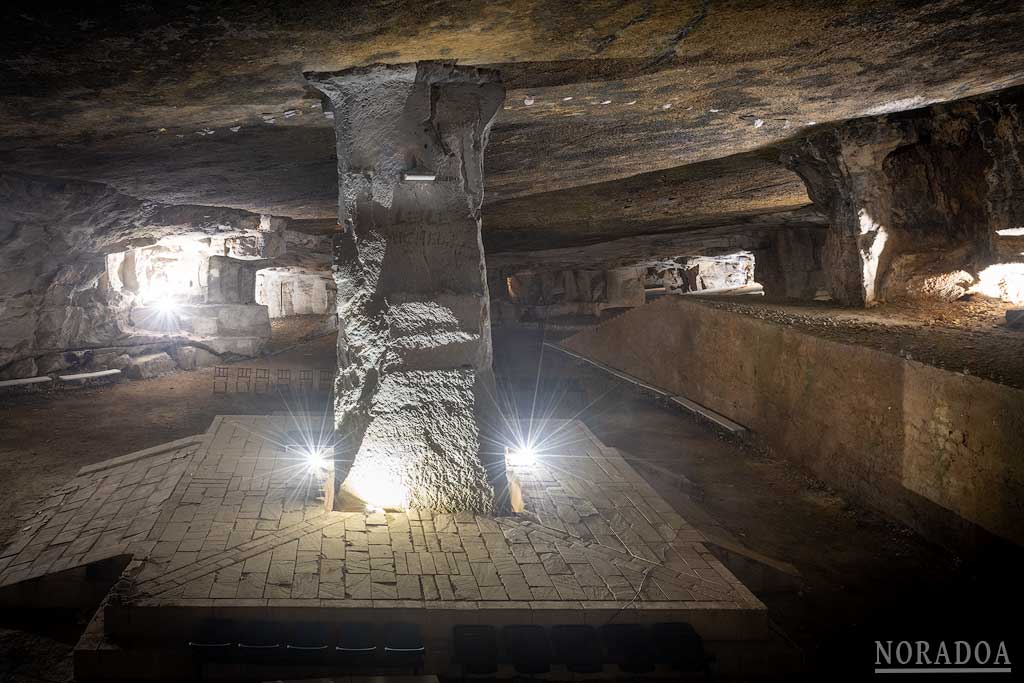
231, 525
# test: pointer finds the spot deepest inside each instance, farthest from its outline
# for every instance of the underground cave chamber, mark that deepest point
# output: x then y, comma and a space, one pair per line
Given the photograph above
630, 343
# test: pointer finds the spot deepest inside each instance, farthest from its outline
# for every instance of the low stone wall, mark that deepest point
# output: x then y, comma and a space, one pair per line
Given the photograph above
940, 451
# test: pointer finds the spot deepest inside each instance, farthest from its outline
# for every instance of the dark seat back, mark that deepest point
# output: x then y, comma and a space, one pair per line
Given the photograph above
678, 646
629, 646
476, 648
261, 639
212, 640
308, 640
578, 647
356, 643
403, 645
527, 648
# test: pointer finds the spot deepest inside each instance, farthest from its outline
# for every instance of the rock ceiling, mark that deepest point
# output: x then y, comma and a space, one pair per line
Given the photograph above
621, 118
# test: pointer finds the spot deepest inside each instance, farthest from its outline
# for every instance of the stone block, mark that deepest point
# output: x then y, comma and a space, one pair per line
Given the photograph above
231, 281
243, 321
192, 357
150, 365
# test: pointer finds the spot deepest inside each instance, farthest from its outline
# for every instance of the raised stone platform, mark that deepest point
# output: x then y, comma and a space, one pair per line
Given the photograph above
231, 525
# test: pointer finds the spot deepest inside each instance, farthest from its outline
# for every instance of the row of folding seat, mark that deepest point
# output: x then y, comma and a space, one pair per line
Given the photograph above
532, 649
477, 649
352, 644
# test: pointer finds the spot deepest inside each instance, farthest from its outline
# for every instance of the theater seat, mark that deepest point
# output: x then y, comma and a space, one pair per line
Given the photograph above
212, 641
308, 641
403, 646
476, 648
260, 640
678, 646
578, 647
527, 648
356, 644
629, 647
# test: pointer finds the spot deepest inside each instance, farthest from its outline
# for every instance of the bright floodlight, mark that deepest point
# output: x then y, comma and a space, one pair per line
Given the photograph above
522, 456
379, 488
167, 305
316, 458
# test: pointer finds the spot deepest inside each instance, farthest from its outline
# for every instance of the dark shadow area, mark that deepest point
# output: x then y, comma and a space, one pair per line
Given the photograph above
861, 577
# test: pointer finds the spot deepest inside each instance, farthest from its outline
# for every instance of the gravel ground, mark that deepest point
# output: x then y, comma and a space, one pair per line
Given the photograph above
961, 336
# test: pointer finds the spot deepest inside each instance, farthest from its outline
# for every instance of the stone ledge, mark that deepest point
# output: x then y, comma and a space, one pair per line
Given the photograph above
145, 453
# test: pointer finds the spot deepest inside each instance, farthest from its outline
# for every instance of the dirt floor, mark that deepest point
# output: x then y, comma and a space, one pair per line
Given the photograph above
861, 577
45, 437
968, 336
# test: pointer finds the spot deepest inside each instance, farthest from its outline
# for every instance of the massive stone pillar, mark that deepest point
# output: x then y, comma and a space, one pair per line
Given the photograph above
843, 171
414, 347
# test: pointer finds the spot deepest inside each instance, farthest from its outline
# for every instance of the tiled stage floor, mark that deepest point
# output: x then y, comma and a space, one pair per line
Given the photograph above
247, 524
230, 521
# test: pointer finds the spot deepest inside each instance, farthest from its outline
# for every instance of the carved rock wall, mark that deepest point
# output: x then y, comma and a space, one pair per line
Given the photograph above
57, 301
915, 199
790, 266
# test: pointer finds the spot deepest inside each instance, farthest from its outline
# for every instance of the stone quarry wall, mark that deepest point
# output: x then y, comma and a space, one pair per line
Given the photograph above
286, 292
697, 273
917, 200
939, 451
790, 266
529, 296
65, 295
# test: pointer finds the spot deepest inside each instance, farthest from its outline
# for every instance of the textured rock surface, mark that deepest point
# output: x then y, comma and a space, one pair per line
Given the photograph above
150, 365
715, 272
915, 199
530, 296
790, 266
653, 86
294, 291
205, 320
231, 281
55, 293
628, 133
414, 350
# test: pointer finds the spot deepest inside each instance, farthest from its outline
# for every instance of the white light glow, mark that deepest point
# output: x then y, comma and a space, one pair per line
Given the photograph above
425, 177
377, 488
521, 456
871, 252
167, 305
1003, 281
1011, 232
316, 459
